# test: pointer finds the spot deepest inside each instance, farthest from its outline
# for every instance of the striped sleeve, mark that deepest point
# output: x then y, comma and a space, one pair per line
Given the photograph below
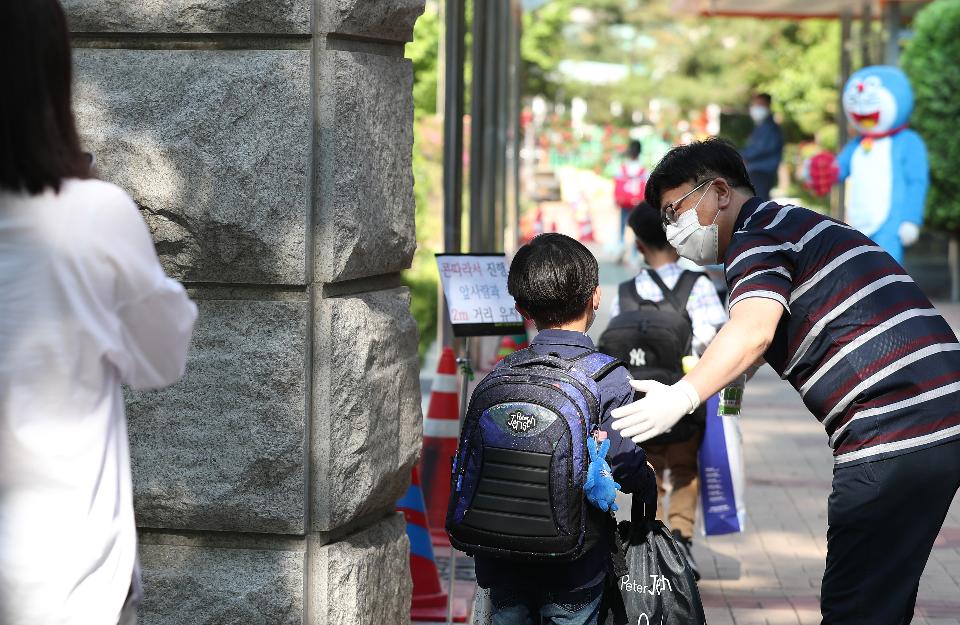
761, 266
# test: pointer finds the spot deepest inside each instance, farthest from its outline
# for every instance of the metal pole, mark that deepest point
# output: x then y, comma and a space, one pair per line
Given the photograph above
866, 19
891, 55
502, 78
512, 191
454, 52
465, 373
846, 29
477, 122
488, 213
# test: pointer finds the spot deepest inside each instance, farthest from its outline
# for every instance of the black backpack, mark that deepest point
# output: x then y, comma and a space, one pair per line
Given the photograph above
652, 338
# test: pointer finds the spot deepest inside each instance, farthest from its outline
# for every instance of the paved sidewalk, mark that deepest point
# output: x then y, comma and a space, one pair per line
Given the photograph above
770, 575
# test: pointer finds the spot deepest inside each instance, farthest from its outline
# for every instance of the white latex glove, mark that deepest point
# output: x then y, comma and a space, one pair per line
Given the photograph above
909, 233
656, 413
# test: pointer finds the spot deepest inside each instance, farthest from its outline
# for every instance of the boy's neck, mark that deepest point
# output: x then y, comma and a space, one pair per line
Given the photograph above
577, 325
571, 327
661, 258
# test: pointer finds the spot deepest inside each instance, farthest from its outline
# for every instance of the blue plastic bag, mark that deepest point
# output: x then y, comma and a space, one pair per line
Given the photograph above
721, 474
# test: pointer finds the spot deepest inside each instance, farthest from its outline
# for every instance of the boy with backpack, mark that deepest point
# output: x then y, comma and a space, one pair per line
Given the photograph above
658, 318
520, 488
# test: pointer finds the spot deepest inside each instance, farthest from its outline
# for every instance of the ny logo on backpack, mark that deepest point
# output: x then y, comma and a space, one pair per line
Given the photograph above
653, 337
517, 488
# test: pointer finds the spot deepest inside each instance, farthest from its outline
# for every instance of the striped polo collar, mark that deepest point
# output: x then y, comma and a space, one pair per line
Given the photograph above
748, 208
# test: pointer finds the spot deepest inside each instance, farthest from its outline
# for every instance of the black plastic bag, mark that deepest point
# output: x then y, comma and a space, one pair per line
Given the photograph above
659, 588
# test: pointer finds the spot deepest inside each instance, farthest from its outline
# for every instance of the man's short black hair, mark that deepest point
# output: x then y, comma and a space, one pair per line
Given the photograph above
553, 278
696, 162
634, 149
765, 98
645, 222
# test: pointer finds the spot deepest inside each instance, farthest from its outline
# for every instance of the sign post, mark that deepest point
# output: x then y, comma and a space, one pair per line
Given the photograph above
475, 292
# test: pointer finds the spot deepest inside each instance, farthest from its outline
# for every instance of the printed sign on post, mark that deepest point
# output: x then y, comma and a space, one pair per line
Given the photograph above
475, 287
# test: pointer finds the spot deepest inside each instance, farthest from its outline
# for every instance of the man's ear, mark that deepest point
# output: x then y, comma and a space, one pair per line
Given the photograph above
724, 193
522, 312
596, 299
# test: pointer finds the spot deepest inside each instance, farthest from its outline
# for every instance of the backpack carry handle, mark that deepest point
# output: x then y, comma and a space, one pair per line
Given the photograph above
597, 364
543, 361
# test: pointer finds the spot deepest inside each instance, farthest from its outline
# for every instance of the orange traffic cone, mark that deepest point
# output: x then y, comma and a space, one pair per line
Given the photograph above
507, 346
441, 431
510, 344
429, 600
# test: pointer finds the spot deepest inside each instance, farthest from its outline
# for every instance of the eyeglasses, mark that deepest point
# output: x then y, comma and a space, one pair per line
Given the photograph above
668, 214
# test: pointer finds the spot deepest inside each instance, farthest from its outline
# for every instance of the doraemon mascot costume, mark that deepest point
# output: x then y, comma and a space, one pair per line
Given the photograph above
886, 165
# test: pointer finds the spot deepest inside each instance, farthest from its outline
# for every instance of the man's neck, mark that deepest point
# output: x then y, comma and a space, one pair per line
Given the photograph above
729, 222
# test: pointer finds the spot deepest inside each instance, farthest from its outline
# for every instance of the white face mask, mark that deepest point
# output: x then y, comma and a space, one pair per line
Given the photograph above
701, 244
758, 113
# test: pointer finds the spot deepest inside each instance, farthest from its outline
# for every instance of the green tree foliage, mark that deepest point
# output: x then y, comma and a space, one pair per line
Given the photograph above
423, 51
804, 86
686, 62
930, 60
421, 278
542, 35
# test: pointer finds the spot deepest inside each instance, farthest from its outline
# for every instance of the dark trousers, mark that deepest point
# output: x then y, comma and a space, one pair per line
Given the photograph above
883, 517
763, 182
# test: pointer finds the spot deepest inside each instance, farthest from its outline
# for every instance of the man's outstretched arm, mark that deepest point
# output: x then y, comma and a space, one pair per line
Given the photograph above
736, 348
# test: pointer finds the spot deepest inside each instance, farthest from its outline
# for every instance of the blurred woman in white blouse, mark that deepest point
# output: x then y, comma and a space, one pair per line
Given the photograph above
84, 308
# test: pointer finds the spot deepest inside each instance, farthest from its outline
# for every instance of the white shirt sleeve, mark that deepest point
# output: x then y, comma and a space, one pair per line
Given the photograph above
707, 313
615, 306
155, 315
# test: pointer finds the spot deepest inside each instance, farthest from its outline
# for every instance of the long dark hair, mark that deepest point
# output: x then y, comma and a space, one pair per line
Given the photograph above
39, 144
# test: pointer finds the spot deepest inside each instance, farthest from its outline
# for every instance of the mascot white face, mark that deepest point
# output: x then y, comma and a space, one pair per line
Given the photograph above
877, 99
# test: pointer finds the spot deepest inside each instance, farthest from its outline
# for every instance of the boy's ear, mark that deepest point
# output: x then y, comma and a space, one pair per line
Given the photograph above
522, 312
596, 299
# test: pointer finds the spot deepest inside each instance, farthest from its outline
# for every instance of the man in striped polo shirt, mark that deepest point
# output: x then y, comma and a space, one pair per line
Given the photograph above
838, 318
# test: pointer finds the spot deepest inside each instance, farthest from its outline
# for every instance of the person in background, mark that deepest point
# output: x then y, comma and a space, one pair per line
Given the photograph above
628, 188
764, 149
85, 307
705, 314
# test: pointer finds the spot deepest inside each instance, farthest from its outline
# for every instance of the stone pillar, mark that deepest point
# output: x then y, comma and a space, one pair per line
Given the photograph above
268, 144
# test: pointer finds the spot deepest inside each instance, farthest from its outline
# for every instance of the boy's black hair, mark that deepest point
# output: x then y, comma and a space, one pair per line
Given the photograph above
553, 278
634, 149
645, 222
698, 161
765, 98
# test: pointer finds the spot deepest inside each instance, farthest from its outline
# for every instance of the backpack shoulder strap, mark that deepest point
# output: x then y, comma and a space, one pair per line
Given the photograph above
597, 364
684, 286
630, 300
668, 294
